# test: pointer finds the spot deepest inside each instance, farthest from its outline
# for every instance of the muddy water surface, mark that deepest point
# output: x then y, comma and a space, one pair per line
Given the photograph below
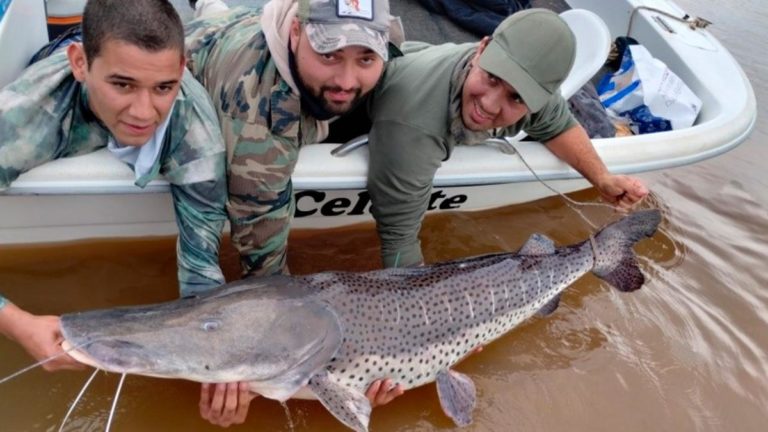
688, 352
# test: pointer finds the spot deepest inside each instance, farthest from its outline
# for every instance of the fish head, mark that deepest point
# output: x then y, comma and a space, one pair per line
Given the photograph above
231, 335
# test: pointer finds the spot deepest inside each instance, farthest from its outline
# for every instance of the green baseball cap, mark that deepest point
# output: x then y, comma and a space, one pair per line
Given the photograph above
533, 51
334, 24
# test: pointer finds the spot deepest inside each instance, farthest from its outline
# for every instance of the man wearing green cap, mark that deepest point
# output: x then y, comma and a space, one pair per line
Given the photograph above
439, 96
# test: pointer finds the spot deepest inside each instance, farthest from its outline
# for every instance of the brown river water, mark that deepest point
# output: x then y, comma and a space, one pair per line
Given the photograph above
685, 353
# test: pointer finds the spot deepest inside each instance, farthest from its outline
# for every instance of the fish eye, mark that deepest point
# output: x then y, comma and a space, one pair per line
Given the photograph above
211, 325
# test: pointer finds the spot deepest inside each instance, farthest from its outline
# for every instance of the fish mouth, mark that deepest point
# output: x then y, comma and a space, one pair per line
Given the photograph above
80, 355
112, 356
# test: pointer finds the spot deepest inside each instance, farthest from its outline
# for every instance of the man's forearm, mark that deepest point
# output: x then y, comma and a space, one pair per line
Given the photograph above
575, 148
201, 214
262, 241
10, 314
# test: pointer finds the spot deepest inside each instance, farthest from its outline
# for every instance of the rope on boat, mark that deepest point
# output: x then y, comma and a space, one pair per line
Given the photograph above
693, 23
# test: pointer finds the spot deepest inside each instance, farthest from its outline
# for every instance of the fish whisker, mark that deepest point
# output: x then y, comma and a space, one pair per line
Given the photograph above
42, 362
77, 399
114, 402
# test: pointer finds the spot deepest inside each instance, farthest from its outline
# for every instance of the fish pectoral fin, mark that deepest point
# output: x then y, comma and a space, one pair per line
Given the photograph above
457, 395
348, 405
549, 307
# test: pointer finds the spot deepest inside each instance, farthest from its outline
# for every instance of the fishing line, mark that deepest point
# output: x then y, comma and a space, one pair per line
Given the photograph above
114, 402
570, 202
42, 362
77, 399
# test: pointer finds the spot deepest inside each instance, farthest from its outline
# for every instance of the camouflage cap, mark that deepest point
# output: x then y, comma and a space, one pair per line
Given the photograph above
334, 24
533, 51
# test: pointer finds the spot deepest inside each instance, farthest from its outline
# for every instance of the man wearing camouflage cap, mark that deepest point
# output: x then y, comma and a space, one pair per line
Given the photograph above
437, 97
276, 78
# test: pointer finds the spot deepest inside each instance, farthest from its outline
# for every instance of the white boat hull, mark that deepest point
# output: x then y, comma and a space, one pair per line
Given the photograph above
93, 195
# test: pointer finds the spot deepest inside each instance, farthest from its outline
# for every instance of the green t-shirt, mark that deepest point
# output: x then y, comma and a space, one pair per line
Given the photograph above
411, 135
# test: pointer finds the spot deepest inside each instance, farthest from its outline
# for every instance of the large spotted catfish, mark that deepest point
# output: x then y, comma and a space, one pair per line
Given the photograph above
329, 335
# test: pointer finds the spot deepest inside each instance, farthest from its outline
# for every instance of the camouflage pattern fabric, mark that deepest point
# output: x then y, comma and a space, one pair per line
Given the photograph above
263, 128
44, 115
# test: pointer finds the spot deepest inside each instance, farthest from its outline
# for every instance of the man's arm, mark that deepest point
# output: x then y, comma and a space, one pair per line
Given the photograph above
40, 336
200, 215
574, 147
32, 109
195, 165
261, 201
403, 161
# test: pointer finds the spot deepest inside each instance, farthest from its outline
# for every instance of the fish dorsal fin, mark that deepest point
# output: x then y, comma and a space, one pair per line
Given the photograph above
349, 406
457, 395
538, 244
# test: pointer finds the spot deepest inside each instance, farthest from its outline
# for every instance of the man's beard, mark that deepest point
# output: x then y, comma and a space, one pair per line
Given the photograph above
336, 108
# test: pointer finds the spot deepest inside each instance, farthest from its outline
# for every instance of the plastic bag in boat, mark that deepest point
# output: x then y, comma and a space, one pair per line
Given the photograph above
4, 7
647, 93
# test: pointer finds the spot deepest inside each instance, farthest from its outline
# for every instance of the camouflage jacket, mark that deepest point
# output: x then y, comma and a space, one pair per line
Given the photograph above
44, 115
263, 128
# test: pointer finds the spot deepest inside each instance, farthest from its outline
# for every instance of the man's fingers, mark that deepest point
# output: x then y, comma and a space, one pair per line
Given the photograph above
382, 392
217, 404
65, 365
205, 400
244, 399
393, 393
246, 395
225, 404
373, 391
382, 395
637, 197
231, 396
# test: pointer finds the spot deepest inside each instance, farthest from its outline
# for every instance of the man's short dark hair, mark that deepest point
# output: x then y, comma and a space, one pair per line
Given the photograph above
152, 25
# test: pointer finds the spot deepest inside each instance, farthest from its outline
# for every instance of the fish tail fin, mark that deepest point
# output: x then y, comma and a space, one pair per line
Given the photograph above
615, 260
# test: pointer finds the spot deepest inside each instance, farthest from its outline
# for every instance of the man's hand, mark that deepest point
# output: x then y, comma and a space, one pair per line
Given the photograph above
575, 148
381, 392
622, 191
40, 336
225, 404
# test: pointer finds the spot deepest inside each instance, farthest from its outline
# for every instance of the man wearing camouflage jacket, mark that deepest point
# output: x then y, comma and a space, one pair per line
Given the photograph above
276, 77
125, 88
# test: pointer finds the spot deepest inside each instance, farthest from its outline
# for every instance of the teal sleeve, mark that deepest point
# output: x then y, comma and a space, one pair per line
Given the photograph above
403, 161
2, 301
200, 215
194, 163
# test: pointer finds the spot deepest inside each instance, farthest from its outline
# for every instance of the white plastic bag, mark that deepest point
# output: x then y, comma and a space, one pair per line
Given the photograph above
645, 91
